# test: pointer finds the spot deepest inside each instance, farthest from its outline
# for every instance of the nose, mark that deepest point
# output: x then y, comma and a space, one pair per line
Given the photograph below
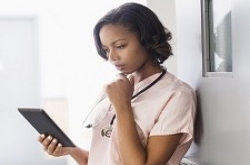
113, 56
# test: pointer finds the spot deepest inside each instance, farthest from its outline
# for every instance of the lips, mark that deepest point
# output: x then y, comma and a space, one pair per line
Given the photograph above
119, 67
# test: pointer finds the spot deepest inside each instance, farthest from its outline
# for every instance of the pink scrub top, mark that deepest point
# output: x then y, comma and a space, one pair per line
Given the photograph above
167, 108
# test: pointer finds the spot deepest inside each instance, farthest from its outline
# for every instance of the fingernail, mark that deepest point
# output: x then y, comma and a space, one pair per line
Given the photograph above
54, 141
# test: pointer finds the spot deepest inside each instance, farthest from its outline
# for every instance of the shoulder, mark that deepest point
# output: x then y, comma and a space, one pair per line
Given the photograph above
172, 83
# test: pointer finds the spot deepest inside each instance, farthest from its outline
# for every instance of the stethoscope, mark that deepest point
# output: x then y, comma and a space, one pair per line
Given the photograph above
106, 132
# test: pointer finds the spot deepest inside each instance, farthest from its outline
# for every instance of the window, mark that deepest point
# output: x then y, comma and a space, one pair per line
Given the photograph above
216, 38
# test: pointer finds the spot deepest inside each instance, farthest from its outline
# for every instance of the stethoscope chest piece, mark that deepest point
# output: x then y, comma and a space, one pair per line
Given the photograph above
106, 132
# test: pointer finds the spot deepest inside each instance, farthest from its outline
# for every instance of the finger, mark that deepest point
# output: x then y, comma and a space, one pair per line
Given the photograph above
128, 79
58, 150
46, 142
122, 76
52, 146
41, 138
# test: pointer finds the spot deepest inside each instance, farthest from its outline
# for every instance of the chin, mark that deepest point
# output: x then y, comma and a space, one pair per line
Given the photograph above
125, 72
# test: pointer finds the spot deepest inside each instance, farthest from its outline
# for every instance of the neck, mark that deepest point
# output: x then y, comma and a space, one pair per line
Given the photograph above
145, 73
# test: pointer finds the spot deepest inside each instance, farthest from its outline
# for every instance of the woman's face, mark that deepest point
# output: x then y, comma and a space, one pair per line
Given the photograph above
123, 49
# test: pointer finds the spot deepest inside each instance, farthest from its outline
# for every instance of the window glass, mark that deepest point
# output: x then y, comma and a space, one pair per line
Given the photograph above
217, 37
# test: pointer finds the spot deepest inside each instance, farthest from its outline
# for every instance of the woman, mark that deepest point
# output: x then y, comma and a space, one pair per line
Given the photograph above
146, 115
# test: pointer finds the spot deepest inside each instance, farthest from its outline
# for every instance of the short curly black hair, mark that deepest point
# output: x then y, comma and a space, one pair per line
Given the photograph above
144, 22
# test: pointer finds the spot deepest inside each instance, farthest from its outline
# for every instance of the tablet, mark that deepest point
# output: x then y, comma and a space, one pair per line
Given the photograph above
42, 122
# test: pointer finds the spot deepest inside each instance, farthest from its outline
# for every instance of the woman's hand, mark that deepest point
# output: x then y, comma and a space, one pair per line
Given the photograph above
120, 91
53, 147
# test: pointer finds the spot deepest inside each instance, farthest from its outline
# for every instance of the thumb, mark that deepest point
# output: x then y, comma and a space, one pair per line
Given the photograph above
132, 82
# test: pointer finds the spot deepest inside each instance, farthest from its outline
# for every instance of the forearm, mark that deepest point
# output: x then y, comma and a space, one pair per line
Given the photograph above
132, 151
80, 156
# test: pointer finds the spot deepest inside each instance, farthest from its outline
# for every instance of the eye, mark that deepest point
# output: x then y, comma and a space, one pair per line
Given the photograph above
121, 46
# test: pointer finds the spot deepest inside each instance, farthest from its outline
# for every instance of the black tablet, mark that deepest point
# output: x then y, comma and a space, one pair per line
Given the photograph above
42, 122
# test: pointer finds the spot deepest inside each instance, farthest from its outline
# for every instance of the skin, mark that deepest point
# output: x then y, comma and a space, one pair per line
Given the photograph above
125, 52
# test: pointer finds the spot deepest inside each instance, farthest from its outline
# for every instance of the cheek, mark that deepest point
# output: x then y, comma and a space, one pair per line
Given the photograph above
136, 54
139, 59
141, 55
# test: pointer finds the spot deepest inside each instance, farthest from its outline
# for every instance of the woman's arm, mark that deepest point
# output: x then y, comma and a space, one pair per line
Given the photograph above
52, 147
158, 151
132, 151
80, 156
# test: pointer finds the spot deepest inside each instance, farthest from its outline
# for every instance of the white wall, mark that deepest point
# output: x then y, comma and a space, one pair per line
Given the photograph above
19, 87
51, 39
165, 10
223, 101
25, 82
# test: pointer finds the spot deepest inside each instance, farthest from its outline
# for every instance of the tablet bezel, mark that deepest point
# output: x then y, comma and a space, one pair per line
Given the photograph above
44, 124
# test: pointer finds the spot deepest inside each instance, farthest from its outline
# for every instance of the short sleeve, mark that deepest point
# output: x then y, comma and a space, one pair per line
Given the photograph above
177, 116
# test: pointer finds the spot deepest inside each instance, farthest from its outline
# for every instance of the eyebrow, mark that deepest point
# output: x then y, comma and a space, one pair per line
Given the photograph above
115, 41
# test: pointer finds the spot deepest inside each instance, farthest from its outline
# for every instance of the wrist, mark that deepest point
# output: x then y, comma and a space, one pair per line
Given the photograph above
123, 108
80, 155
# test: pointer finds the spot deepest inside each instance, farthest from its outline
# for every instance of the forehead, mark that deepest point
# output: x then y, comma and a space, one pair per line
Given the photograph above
112, 32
